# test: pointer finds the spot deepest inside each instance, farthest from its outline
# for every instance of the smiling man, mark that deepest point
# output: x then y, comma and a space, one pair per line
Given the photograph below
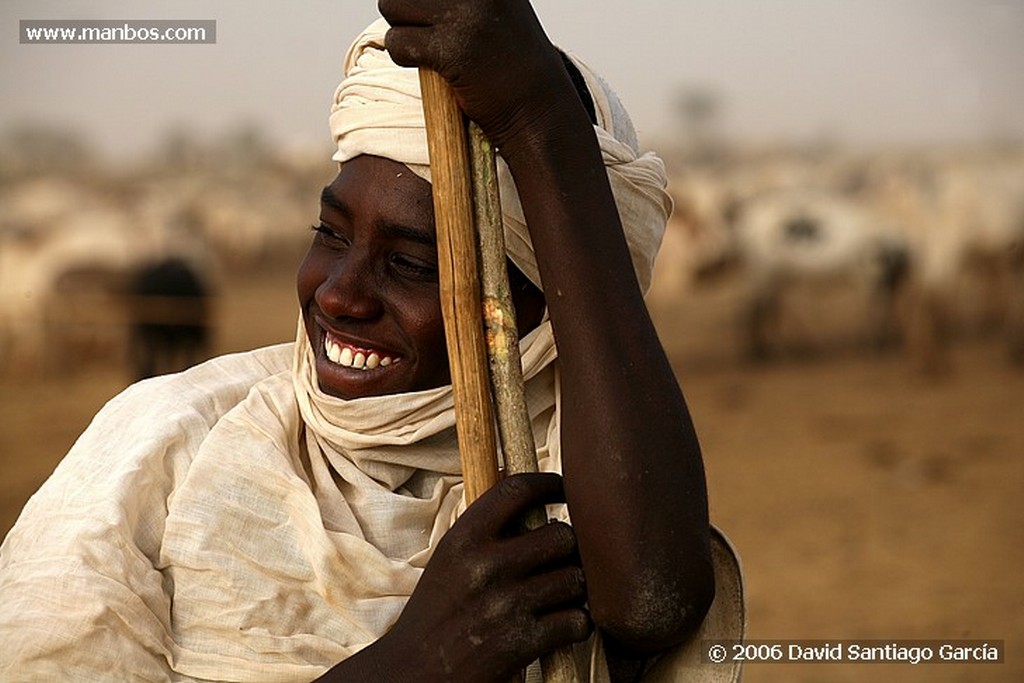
368, 286
296, 512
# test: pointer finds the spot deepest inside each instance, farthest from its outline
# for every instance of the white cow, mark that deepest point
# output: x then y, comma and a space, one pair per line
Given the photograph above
964, 218
35, 322
815, 239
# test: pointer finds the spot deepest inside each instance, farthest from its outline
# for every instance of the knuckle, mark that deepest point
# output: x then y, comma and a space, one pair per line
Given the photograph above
514, 488
502, 607
572, 625
483, 569
401, 52
581, 624
571, 588
563, 536
530, 485
577, 580
457, 541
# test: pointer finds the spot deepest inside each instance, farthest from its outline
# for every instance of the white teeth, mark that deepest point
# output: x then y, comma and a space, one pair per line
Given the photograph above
351, 358
333, 352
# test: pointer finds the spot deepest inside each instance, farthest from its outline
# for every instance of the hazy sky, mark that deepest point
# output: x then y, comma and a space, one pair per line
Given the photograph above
861, 71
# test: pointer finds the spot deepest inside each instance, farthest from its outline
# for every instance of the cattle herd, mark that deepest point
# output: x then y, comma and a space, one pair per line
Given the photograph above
931, 244
97, 266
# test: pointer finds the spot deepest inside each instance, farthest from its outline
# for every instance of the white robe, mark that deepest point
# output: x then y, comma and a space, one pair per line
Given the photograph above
200, 530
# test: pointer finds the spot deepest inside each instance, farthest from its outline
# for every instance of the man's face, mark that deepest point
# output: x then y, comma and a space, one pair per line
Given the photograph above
368, 286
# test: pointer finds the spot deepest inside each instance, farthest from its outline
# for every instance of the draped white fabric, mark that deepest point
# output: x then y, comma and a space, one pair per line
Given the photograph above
199, 531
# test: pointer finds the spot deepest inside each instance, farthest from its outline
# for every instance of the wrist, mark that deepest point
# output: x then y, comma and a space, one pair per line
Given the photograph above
376, 662
558, 119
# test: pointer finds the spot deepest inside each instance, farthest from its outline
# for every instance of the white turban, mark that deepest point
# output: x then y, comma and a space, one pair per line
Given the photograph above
378, 111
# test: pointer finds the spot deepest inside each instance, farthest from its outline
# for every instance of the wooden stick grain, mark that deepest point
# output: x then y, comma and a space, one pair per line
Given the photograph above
460, 285
514, 428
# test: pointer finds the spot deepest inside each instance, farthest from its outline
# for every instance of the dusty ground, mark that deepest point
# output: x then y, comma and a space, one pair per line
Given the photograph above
866, 501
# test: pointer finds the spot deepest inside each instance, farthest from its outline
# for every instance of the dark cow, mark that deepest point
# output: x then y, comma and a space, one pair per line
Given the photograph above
170, 317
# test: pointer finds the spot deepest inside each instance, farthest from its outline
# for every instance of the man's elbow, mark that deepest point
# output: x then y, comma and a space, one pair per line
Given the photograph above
660, 616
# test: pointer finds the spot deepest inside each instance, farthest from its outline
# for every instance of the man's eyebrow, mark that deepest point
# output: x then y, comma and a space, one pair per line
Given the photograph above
327, 197
391, 229
400, 231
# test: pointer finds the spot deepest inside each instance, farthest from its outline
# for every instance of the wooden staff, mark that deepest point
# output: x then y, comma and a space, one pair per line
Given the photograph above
502, 334
459, 197
460, 284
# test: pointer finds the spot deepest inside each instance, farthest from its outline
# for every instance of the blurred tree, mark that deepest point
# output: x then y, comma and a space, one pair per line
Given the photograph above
33, 149
181, 151
699, 110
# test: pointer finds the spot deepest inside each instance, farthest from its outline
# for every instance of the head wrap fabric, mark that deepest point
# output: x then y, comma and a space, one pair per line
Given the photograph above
378, 110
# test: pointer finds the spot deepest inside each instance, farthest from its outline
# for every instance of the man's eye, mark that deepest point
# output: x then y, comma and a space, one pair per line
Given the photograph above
329, 237
414, 268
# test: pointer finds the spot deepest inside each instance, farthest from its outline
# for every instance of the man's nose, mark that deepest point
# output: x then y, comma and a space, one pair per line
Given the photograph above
351, 290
